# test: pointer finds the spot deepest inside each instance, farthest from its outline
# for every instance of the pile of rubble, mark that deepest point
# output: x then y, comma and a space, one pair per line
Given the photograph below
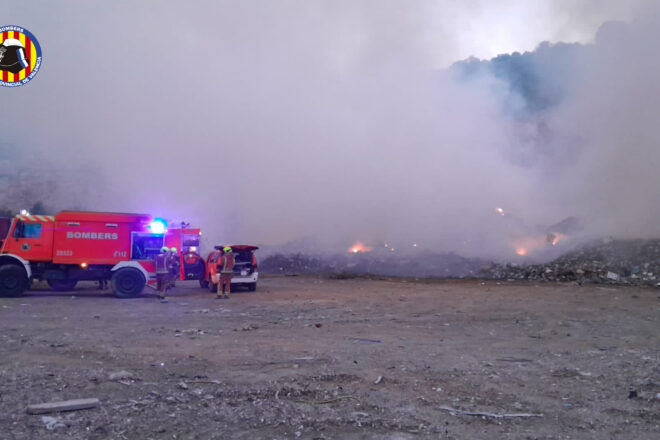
290, 264
605, 261
424, 264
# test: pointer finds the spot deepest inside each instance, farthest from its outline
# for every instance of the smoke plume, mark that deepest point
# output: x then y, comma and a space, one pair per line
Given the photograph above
326, 123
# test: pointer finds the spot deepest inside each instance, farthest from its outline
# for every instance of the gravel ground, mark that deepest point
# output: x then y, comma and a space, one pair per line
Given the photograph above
319, 358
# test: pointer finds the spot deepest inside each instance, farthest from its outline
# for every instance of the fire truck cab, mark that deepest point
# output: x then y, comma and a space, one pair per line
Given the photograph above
76, 245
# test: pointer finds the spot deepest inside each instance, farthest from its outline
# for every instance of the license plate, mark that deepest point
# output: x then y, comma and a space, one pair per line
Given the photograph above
243, 273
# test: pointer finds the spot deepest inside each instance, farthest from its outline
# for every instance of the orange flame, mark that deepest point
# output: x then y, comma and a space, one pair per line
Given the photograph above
526, 245
359, 247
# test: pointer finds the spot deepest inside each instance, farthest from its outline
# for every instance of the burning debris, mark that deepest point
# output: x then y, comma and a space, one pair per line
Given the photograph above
528, 245
634, 262
359, 247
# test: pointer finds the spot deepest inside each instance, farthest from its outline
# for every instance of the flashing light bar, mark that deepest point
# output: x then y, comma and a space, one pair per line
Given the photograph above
158, 226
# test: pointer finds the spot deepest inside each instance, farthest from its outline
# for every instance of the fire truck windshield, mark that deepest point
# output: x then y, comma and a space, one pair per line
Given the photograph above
145, 246
190, 240
27, 230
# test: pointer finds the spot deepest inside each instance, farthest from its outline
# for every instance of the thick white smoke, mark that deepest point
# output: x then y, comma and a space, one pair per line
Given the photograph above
269, 122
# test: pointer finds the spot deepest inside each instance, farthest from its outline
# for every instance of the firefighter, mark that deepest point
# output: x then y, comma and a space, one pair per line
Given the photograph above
162, 273
173, 266
226, 270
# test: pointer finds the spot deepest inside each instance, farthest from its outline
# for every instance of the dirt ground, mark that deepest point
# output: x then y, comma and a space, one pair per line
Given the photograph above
320, 358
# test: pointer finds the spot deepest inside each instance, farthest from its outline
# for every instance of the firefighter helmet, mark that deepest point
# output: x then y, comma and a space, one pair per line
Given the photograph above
164, 249
227, 250
12, 56
173, 250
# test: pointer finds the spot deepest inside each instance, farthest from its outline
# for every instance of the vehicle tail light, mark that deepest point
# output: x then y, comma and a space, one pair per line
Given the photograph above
254, 262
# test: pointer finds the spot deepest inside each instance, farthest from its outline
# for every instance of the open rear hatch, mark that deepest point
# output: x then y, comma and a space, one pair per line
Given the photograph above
238, 247
245, 263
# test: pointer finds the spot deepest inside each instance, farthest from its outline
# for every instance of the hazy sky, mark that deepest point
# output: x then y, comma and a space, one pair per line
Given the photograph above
271, 121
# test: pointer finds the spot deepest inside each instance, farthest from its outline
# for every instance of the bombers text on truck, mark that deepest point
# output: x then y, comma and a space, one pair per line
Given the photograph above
76, 245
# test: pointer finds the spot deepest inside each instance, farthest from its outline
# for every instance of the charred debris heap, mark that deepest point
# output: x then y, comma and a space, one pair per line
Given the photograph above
633, 262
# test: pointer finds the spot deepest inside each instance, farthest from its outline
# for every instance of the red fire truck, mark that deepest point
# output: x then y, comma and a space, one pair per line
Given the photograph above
74, 245
187, 242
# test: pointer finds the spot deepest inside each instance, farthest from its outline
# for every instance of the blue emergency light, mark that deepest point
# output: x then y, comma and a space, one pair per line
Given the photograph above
158, 226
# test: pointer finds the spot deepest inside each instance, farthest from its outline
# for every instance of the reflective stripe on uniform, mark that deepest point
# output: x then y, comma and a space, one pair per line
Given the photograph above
225, 269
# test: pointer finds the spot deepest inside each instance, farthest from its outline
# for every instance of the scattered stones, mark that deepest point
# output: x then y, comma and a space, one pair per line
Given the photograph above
120, 375
52, 422
565, 372
192, 333
612, 276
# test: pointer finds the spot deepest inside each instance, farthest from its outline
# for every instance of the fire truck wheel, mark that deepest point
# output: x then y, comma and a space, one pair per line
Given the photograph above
203, 284
13, 280
62, 285
127, 282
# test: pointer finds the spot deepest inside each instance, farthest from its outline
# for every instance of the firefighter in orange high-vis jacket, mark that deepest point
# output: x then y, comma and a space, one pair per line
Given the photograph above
226, 270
